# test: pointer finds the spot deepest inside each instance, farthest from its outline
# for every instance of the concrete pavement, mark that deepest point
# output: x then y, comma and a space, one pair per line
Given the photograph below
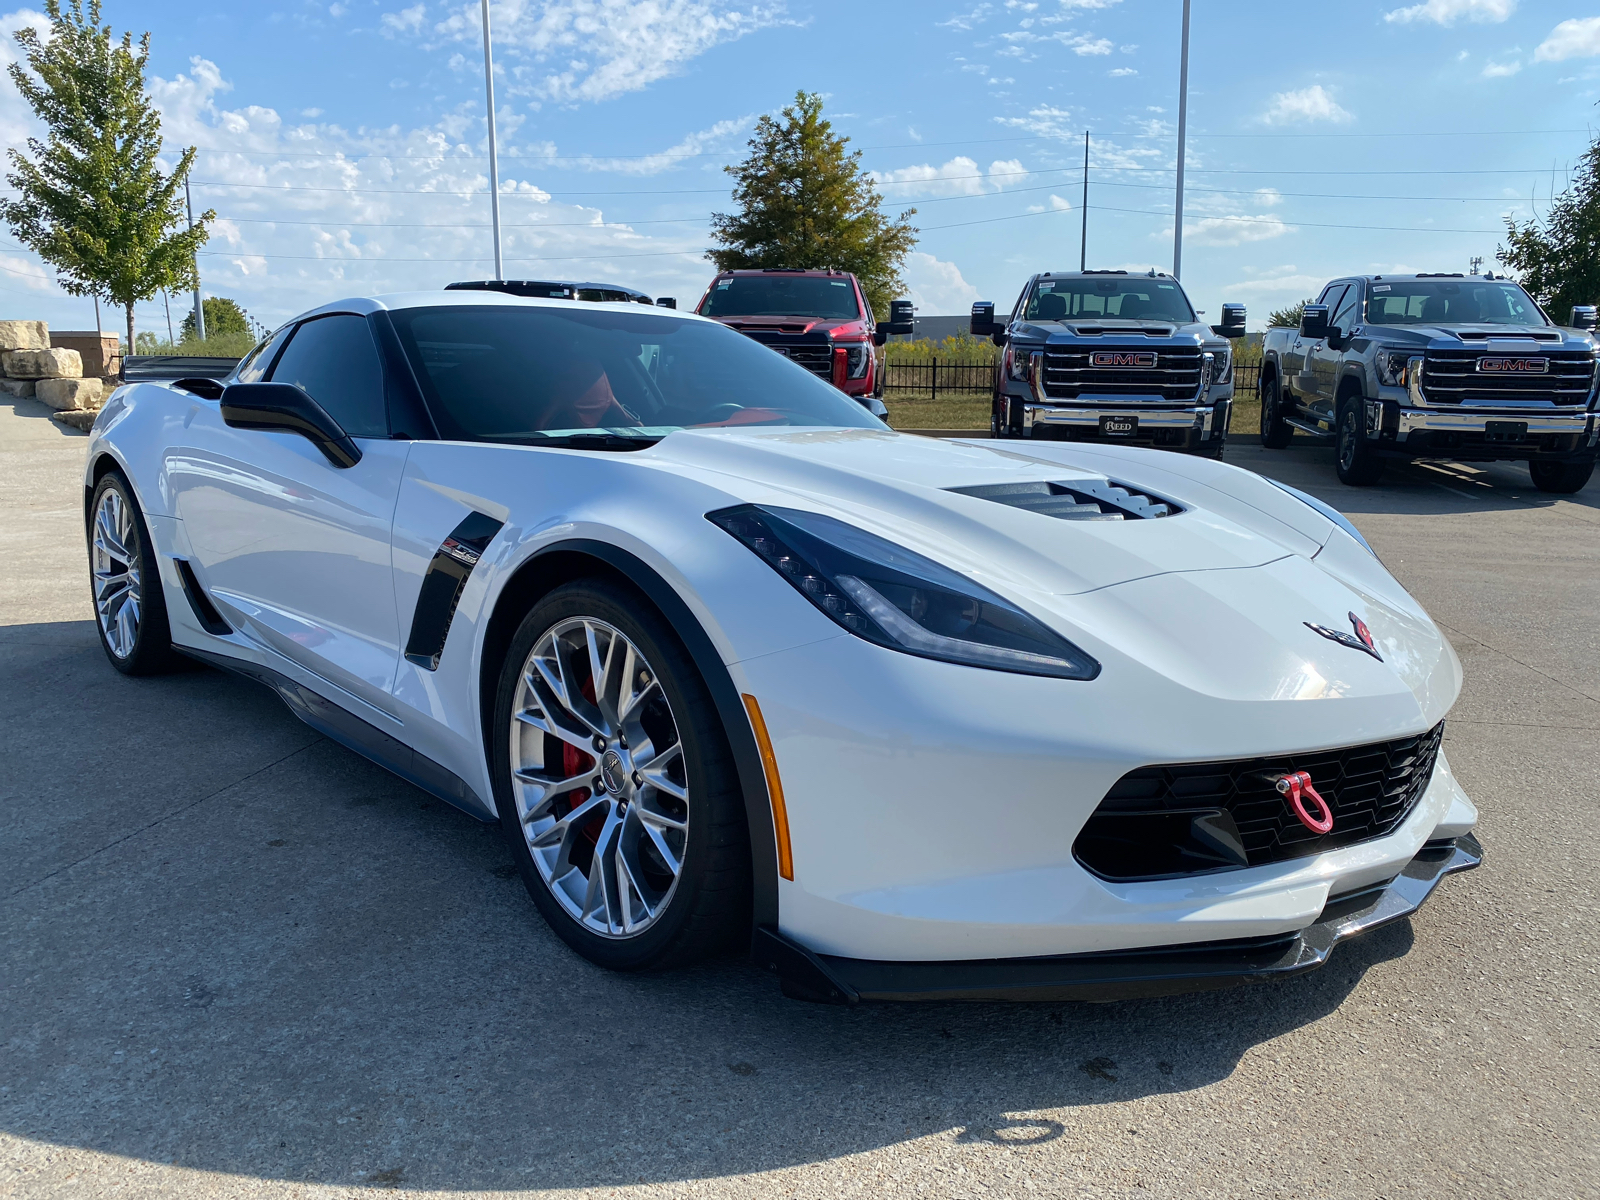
240, 961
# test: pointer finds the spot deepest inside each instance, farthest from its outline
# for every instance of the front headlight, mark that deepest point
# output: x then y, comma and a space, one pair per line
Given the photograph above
1221, 364
857, 358
894, 597
1391, 367
1016, 360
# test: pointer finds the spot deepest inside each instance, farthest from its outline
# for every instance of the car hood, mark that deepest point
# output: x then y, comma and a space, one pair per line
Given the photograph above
1475, 337
1073, 331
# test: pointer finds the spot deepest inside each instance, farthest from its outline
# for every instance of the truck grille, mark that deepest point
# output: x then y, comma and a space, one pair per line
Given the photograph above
1158, 822
1452, 377
1175, 376
816, 359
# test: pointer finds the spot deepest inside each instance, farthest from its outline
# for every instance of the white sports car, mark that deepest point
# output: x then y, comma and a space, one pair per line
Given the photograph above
730, 662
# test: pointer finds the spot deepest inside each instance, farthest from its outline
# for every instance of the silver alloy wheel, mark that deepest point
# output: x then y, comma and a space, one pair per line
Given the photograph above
599, 778
1349, 435
118, 596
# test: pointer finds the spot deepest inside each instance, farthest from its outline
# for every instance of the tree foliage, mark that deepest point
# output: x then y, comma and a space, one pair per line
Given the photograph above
1558, 259
222, 316
91, 199
804, 201
1289, 316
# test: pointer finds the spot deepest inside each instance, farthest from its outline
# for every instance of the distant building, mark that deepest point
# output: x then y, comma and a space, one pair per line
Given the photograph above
936, 329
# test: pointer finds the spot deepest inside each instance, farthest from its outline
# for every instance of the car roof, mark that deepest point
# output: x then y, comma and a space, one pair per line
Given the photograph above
1150, 274
1391, 276
806, 272
509, 286
394, 301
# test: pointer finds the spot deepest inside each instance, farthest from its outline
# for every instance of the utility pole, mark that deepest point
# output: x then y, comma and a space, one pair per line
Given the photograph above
199, 308
1476, 264
1183, 122
1083, 244
167, 301
494, 162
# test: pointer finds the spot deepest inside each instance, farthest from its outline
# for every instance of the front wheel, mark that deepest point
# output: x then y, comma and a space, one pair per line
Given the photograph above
1275, 431
130, 607
1356, 459
1560, 479
616, 785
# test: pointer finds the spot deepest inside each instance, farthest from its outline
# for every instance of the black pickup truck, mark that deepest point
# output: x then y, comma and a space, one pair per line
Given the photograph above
1464, 367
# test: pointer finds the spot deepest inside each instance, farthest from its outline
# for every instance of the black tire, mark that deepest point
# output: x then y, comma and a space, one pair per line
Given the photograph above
1561, 479
997, 427
707, 910
1355, 458
129, 601
1275, 431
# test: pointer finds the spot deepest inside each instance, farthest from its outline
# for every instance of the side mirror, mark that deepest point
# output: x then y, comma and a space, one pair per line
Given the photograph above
285, 408
900, 318
1232, 322
1314, 322
983, 319
1583, 317
666, 302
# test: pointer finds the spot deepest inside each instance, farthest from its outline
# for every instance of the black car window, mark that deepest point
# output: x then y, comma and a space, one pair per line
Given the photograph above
336, 363
1344, 318
255, 364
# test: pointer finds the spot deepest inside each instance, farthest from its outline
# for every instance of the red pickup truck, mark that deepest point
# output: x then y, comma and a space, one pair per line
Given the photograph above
818, 319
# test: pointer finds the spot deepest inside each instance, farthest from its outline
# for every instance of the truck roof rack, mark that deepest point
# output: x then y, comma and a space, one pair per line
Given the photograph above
1440, 275
1102, 272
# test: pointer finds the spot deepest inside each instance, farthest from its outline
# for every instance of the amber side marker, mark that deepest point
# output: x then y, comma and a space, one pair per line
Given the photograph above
769, 764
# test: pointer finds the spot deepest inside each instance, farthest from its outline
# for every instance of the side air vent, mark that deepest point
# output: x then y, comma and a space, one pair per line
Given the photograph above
199, 603
1081, 500
442, 587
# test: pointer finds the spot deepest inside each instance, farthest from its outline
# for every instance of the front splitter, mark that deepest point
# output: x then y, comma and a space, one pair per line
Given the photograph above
1117, 974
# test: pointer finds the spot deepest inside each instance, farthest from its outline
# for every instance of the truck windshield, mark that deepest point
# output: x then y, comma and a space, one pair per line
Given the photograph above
545, 372
782, 296
1129, 299
1430, 302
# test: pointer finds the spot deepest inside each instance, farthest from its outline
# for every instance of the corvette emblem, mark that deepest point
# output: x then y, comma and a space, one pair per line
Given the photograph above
1360, 640
612, 774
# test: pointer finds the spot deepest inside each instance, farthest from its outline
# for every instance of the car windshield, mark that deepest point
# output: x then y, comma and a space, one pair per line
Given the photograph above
1430, 302
831, 299
1129, 299
535, 373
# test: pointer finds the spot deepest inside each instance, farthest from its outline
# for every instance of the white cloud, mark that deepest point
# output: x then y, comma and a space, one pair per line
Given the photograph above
1057, 204
407, 20
965, 22
1448, 12
1269, 196
691, 146
1309, 104
1277, 281
16, 271
1232, 231
584, 50
961, 176
1500, 70
1121, 71
1577, 38
1045, 121
937, 287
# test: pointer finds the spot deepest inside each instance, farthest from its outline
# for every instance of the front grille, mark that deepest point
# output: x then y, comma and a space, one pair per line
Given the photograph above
1195, 818
1070, 374
816, 359
1452, 377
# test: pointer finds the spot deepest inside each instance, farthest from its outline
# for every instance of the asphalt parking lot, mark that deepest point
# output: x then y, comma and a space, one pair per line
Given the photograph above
239, 960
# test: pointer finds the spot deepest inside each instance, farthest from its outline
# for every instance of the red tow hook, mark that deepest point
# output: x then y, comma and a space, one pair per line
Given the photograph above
1298, 786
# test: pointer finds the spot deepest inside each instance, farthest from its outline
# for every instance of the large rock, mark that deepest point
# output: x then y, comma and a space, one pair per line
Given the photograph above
24, 335
16, 387
77, 418
42, 364
65, 395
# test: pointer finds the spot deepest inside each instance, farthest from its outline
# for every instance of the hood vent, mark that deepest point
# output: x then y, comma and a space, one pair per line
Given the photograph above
1081, 500
1160, 331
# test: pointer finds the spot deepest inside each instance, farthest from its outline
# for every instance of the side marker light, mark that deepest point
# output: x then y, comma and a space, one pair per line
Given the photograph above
769, 764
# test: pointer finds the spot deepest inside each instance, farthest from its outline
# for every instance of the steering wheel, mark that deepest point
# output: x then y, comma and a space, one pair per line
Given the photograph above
718, 413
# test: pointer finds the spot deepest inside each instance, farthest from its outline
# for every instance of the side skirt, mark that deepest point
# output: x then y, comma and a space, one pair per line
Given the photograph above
350, 731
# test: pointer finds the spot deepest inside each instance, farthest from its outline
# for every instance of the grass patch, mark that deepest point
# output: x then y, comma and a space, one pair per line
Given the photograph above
955, 412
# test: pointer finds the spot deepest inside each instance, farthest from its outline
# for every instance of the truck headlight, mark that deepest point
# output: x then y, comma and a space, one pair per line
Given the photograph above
1221, 364
857, 356
896, 598
1391, 367
1016, 360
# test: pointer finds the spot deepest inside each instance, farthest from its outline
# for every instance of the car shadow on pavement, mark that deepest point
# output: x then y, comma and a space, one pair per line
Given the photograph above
235, 946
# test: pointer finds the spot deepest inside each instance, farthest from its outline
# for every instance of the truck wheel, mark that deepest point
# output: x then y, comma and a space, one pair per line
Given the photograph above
1561, 479
1275, 432
1356, 460
997, 427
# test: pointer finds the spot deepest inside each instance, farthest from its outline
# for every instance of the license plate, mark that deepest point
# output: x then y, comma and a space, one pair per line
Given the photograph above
1119, 426
1505, 431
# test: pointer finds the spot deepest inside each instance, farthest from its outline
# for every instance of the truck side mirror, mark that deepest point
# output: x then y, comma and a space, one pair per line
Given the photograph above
1232, 322
900, 317
666, 302
983, 319
1314, 322
1583, 317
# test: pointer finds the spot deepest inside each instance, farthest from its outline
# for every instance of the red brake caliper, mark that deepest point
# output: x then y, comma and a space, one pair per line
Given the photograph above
576, 762
1297, 787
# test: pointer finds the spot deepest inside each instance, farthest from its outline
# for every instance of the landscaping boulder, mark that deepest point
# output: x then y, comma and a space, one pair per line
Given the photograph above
77, 418
42, 364
24, 335
16, 388
65, 395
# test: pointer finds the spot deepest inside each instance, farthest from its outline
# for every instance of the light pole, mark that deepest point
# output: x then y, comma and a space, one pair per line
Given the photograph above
494, 162
1083, 243
1183, 121
199, 309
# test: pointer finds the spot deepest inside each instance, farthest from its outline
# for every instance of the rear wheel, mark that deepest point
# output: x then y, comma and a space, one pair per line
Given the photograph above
1356, 459
1275, 432
130, 607
616, 785
1561, 479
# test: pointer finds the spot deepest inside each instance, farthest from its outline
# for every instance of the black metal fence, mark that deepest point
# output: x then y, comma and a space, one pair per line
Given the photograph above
953, 376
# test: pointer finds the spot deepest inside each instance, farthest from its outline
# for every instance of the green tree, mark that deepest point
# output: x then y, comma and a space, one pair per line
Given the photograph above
222, 316
1289, 316
91, 200
804, 201
1558, 259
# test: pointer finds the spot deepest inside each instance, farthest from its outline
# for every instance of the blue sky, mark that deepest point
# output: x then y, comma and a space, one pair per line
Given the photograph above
342, 144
